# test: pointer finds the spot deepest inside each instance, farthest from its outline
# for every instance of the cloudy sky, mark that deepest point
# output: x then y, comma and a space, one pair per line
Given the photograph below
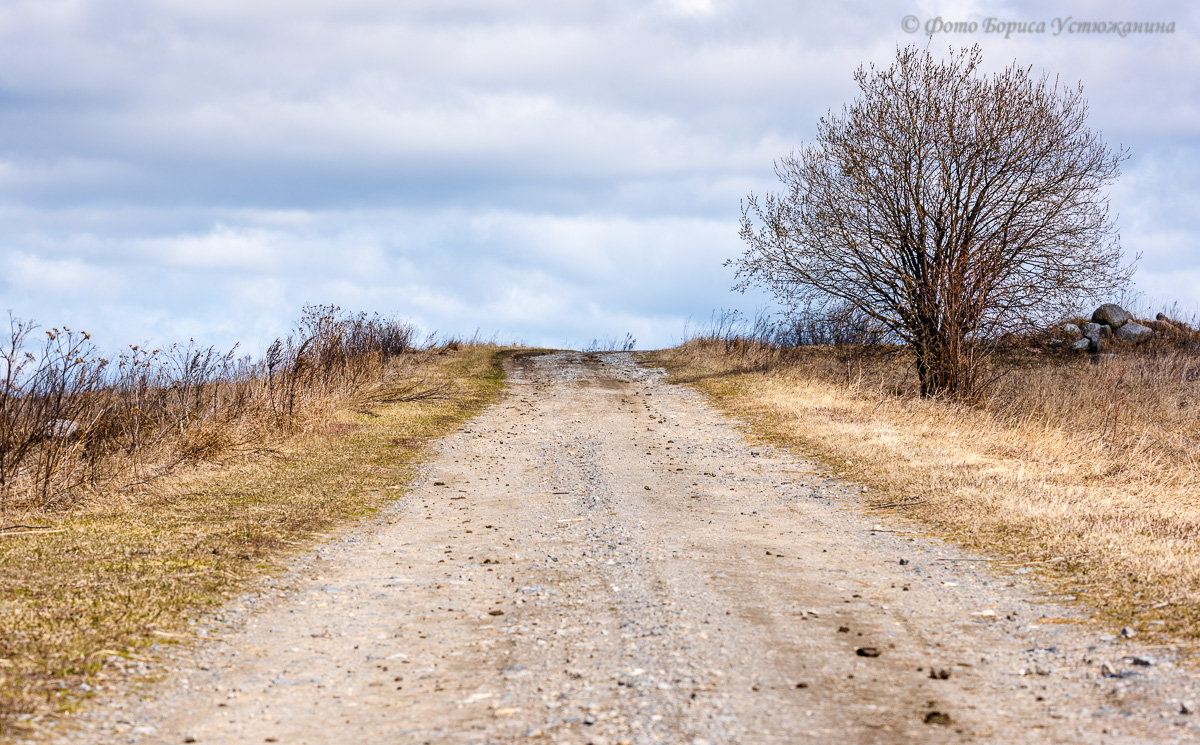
546, 171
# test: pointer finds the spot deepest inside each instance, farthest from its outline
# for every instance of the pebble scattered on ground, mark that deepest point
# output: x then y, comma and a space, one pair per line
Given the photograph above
603, 558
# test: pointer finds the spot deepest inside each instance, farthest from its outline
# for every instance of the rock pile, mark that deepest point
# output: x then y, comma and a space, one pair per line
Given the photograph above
1109, 321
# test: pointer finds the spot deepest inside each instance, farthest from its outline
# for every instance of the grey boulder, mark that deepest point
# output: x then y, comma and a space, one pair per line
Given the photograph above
1134, 331
61, 428
1111, 314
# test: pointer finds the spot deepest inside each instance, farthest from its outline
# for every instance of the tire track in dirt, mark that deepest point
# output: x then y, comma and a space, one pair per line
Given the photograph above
602, 558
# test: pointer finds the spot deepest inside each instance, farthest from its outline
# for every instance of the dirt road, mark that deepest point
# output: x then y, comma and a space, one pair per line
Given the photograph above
603, 558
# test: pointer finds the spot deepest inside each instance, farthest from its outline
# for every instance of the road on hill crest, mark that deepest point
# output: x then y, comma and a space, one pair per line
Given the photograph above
601, 557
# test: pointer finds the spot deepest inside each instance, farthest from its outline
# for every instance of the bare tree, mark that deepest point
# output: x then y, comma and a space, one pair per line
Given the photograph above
950, 206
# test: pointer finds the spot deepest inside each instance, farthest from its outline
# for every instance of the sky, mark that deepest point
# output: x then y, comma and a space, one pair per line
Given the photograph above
544, 172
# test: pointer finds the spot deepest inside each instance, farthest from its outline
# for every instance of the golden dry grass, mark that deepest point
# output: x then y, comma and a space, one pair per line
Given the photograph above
1091, 473
76, 422
129, 570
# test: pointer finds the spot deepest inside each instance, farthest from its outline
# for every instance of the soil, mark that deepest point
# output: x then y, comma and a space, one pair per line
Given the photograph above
603, 558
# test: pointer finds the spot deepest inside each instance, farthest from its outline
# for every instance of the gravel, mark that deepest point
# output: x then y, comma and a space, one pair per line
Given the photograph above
603, 558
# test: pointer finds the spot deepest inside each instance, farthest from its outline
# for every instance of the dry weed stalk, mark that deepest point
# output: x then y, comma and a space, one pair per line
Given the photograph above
74, 422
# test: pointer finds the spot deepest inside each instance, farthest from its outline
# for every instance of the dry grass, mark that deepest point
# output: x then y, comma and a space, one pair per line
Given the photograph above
128, 569
1089, 472
75, 423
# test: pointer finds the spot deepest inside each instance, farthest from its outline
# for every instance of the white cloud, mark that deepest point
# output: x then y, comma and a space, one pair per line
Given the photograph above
57, 280
552, 171
689, 8
222, 248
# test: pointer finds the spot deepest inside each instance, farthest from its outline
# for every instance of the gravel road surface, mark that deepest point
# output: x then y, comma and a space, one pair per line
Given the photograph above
603, 558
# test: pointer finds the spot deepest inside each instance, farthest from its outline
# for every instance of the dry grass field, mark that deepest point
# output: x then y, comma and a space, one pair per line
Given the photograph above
1089, 473
89, 583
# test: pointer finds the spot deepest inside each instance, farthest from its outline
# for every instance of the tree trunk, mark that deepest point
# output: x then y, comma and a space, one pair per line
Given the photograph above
941, 369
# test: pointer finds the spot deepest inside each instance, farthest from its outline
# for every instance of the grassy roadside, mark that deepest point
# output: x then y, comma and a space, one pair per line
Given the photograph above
115, 578
1119, 532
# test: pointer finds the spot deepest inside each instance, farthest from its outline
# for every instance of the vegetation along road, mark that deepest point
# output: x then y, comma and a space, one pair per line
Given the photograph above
601, 557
